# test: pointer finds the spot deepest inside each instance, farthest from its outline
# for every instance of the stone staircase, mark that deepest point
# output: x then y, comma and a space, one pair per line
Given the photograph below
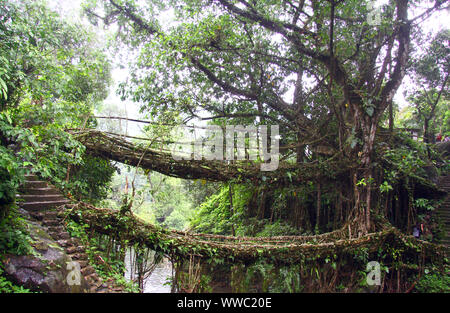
443, 211
38, 196
45, 204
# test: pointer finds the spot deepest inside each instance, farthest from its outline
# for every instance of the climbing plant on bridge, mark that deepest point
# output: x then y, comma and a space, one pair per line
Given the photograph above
319, 258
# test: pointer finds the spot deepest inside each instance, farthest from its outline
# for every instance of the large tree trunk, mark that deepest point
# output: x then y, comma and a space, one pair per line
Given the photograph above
363, 178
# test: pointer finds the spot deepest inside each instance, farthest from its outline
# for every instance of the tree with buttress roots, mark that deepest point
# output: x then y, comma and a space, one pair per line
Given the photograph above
324, 71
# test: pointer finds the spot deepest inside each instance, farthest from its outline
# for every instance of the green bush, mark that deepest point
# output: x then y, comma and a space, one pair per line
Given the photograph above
10, 178
91, 180
215, 215
278, 228
433, 283
14, 236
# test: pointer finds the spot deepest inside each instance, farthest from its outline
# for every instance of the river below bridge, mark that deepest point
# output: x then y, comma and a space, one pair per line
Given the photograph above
157, 281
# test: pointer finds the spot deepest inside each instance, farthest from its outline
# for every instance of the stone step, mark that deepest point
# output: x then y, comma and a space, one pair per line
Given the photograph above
83, 263
65, 242
78, 256
41, 191
88, 270
51, 214
58, 235
31, 177
443, 211
40, 198
56, 229
35, 184
63, 235
51, 222
75, 249
43, 205
94, 279
37, 215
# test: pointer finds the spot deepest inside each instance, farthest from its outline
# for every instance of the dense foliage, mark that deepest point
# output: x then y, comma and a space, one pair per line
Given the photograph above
323, 71
16, 240
52, 74
430, 94
105, 259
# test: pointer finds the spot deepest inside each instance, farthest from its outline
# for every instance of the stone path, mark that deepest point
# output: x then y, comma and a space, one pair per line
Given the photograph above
443, 211
44, 203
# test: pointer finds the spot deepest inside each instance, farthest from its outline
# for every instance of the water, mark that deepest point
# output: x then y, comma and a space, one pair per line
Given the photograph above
157, 281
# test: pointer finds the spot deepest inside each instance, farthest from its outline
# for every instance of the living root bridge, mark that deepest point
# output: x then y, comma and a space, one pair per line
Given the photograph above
281, 249
146, 154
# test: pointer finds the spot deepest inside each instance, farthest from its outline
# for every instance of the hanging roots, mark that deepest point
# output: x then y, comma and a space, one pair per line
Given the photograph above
282, 249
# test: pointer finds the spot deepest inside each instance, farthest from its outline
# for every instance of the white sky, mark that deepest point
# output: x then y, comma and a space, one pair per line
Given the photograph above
71, 9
